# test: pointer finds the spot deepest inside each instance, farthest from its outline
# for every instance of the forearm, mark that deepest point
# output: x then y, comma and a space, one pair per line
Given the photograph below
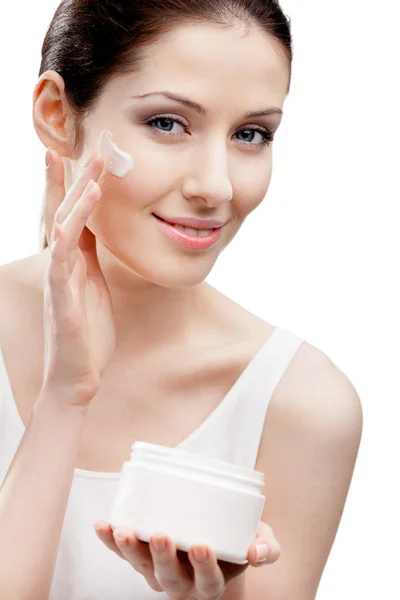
34, 496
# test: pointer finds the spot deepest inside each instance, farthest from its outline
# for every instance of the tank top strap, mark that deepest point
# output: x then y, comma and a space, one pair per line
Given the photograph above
255, 397
234, 432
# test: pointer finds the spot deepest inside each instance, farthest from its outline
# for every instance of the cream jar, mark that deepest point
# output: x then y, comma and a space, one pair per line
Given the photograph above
191, 498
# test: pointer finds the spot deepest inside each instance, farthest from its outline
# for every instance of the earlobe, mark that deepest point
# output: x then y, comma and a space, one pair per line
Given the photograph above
50, 112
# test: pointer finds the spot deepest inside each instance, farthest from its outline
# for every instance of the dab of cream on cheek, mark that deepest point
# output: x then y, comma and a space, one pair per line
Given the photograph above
116, 161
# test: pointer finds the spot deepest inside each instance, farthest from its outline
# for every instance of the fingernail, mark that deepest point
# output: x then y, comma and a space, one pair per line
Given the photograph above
122, 534
200, 554
159, 544
48, 157
261, 552
90, 159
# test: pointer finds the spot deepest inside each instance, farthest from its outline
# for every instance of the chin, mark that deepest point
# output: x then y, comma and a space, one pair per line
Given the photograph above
163, 269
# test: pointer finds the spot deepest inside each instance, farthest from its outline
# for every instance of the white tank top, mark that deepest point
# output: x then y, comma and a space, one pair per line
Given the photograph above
85, 568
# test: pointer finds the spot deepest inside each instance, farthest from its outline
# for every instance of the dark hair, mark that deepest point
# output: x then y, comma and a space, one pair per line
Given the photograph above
90, 41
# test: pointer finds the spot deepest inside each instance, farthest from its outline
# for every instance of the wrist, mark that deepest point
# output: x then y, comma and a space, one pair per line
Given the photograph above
62, 400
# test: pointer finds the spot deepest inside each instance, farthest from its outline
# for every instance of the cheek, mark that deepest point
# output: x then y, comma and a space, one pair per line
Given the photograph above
124, 201
148, 181
251, 190
135, 191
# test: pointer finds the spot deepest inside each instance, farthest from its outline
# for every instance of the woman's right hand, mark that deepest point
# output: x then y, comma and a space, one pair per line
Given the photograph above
79, 328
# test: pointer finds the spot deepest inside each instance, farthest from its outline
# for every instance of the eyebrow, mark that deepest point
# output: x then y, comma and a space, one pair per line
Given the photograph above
203, 111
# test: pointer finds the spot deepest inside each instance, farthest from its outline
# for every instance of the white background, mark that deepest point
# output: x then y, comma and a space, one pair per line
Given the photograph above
319, 256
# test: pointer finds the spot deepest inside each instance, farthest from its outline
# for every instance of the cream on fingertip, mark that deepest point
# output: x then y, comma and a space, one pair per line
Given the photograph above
116, 161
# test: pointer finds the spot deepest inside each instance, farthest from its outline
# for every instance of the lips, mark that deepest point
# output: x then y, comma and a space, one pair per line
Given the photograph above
189, 226
197, 242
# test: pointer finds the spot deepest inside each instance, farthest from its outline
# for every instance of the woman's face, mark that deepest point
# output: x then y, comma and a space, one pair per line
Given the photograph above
187, 164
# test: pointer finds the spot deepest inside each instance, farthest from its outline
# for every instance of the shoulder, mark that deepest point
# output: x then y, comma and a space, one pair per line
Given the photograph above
8, 289
23, 274
315, 406
12, 278
318, 398
21, 296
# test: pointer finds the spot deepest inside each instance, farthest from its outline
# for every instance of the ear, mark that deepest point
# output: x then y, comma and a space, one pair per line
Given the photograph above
52, 115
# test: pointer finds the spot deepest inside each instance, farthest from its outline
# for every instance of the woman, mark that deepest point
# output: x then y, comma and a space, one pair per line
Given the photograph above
125, 339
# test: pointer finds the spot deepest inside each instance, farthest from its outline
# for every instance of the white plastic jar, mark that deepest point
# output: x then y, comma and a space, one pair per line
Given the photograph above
190, 498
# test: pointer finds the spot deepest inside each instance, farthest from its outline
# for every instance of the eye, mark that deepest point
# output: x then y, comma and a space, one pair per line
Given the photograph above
267, 136
167, 122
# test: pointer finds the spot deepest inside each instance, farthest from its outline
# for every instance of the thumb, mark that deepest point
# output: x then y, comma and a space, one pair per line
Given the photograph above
54, 192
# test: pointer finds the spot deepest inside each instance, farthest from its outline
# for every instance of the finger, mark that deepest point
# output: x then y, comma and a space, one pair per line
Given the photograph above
168, 570
75, 223
264, 530
137, 553
92, 170
208, 577
105, 534
59, 202
115, 541
54, 192
263, 552
58, 288
265, 535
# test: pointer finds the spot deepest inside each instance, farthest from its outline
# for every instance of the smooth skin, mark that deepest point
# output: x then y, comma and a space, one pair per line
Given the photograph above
207, 168
75, 278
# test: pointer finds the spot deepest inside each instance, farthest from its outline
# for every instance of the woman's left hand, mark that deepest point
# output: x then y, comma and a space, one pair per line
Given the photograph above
179, 574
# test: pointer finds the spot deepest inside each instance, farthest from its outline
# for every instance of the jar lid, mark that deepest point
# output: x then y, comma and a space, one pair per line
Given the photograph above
197, 460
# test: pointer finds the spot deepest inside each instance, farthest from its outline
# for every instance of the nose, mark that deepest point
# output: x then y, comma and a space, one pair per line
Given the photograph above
208, 182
